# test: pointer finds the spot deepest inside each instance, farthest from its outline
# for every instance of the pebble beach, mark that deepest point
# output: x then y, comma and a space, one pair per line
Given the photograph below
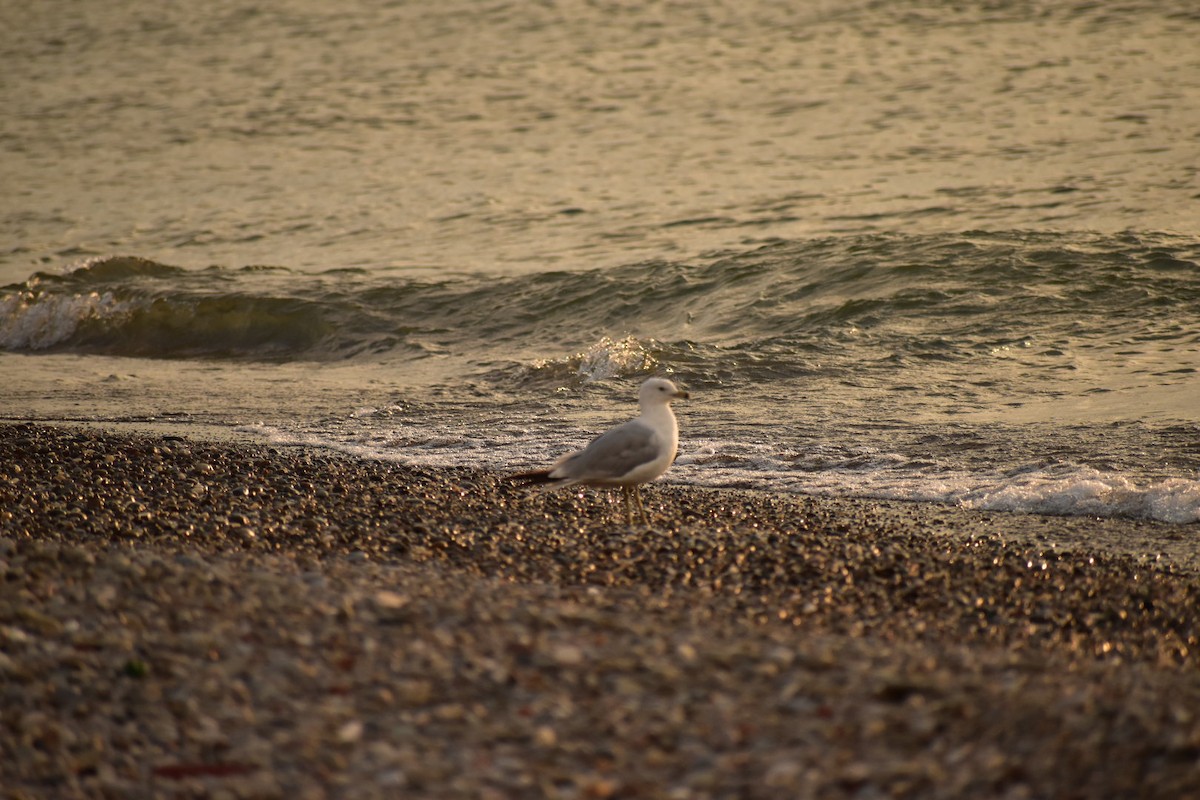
192, 618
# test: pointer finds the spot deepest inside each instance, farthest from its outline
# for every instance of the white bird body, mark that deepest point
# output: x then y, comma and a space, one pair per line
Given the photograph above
633, 453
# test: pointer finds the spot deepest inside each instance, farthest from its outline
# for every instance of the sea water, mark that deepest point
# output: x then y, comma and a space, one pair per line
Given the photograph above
938, 253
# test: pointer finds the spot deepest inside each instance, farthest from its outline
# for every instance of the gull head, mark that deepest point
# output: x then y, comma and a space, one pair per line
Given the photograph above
659, 391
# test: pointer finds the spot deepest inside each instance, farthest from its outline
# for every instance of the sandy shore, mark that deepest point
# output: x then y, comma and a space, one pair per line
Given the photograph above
190, 619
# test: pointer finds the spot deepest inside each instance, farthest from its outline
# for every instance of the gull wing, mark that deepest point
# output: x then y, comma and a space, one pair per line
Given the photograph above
611, 455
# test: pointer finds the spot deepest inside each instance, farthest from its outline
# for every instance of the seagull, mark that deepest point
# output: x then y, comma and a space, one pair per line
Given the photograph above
633, 453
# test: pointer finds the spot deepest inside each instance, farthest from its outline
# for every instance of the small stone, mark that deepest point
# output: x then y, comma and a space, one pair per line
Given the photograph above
136, 668
567, 655
783, 774
104, 596
388, 600
351, 732
44, 624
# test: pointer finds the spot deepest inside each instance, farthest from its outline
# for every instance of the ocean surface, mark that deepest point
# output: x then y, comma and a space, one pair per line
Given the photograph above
938, 252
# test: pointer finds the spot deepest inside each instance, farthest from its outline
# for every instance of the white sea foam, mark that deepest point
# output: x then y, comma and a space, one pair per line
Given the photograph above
609, 359
604, 360
1057, 489
36, 322
1091, 493
1081, 492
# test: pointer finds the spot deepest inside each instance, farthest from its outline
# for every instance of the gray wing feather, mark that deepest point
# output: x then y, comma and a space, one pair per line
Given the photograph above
611, 454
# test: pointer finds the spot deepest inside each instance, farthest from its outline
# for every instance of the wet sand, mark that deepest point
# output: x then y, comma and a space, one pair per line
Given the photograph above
190, 618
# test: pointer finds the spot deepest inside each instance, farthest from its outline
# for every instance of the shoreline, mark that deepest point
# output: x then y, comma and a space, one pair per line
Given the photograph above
1153, 543
192, 616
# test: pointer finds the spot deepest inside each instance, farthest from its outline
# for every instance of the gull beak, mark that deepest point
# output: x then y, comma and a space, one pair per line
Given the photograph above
682, 395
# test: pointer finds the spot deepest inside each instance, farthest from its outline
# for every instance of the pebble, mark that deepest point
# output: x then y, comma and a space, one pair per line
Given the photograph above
313, 625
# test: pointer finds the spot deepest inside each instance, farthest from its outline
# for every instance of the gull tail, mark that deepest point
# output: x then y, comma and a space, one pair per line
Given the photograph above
544, 479
538, 479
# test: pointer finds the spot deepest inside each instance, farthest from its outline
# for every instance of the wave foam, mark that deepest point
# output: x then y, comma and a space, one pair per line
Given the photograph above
604, 360
1092, 493
31, 322
1056, 490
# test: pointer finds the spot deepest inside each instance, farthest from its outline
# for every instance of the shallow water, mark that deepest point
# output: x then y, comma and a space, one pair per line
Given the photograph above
933, 253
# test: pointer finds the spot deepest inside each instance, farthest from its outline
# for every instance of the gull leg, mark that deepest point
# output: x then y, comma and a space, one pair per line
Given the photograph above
637, 495
628, 506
